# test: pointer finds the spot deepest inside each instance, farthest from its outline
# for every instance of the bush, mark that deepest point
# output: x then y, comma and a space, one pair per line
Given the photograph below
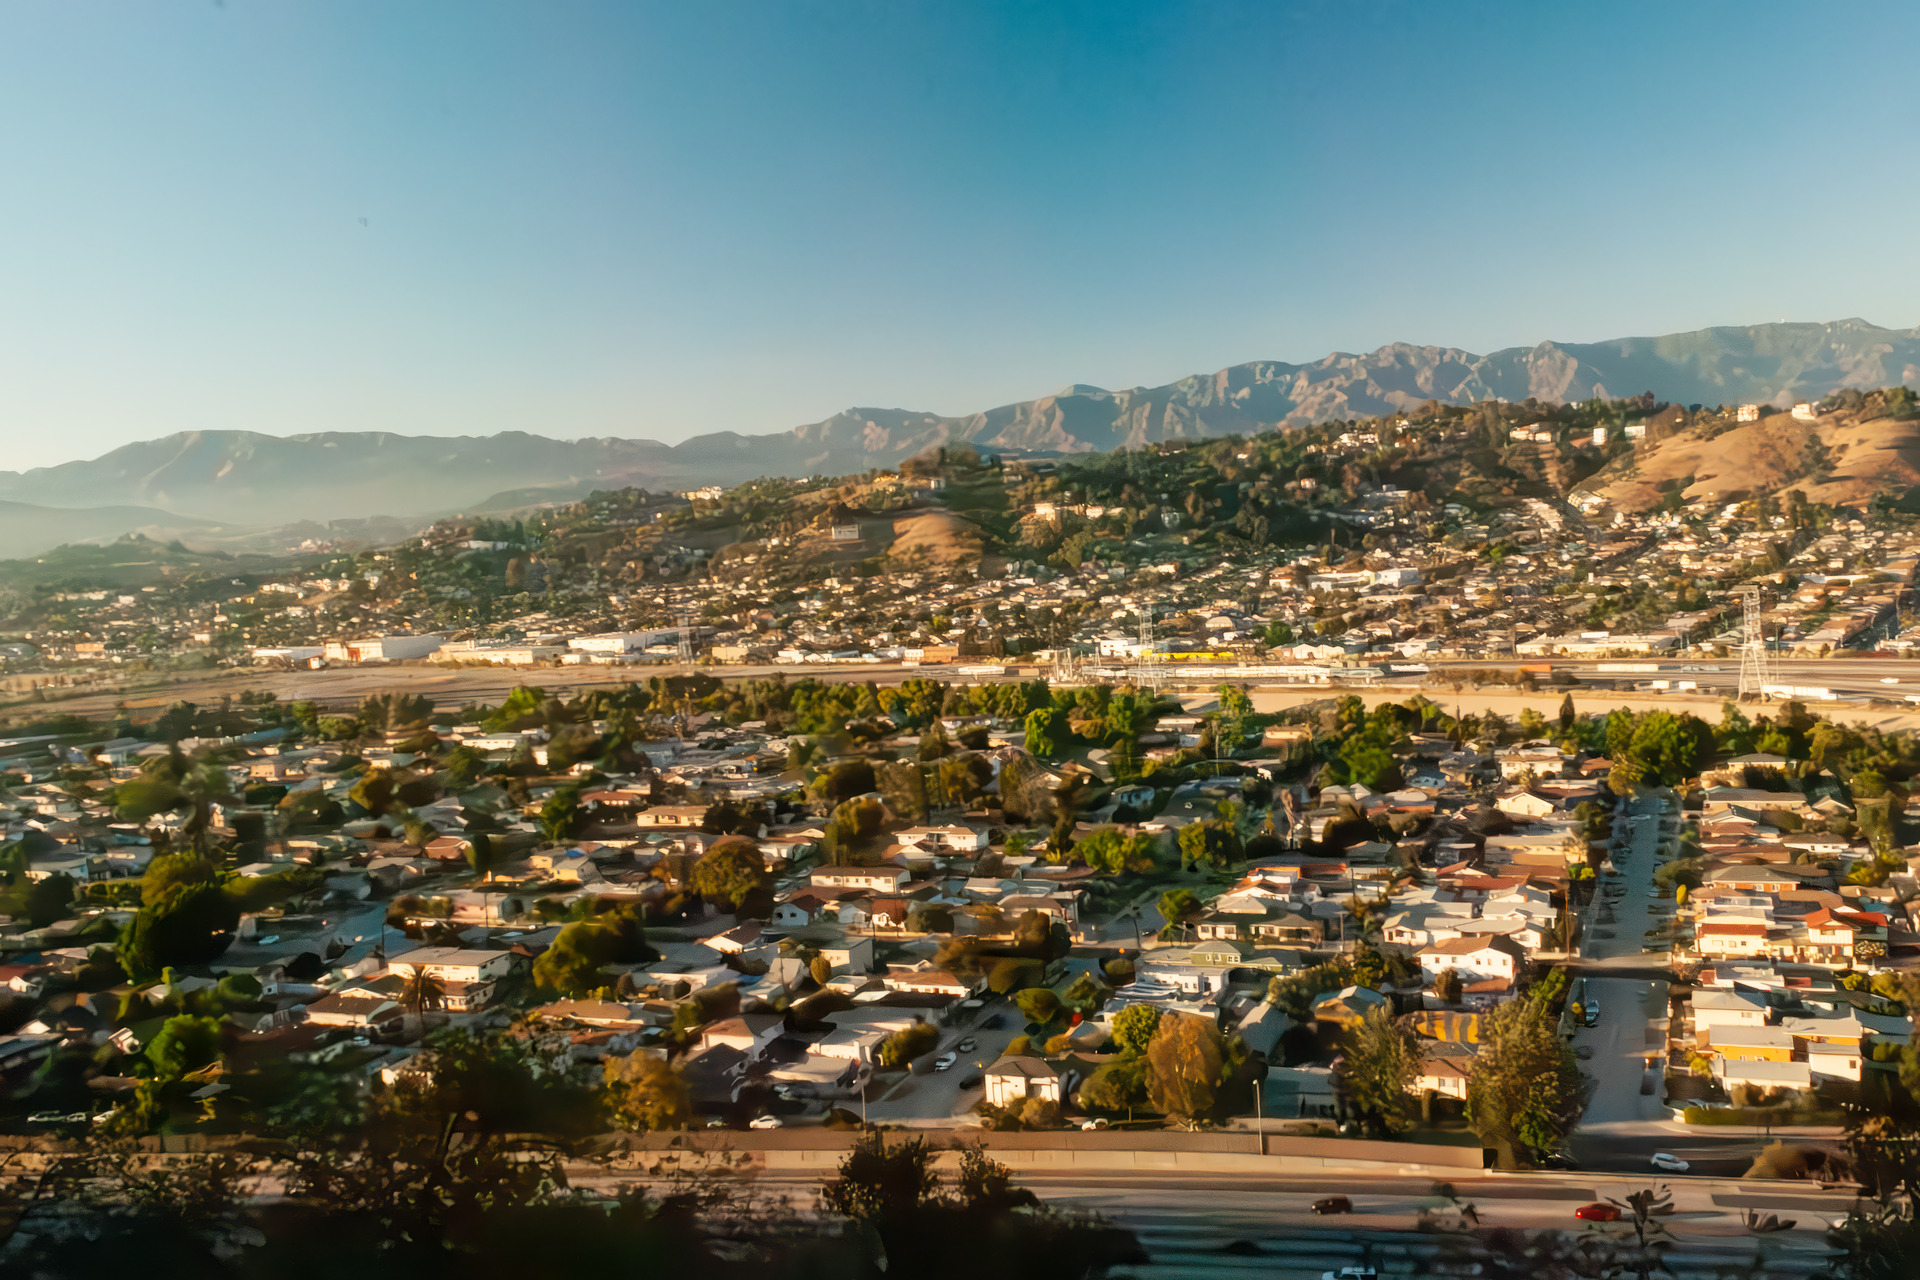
1019, 1046
1040, 1113
903, 1046
1039, 1004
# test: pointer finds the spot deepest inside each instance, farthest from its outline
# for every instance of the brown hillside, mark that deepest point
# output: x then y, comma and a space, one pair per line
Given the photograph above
1837, 460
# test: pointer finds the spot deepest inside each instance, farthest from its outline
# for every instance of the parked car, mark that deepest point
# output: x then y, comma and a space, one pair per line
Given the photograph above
967, 1046
1098, 1122
1593, 1012
1598, 1211
764, 1122
1333, 1204
1351, 1273
973, 1081
56, 1117
945, 1061
1671, 1164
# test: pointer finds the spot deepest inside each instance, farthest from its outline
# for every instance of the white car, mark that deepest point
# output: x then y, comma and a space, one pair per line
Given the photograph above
1671, 1164
764, 1122
1351, 1273
1889, 679
945, 1061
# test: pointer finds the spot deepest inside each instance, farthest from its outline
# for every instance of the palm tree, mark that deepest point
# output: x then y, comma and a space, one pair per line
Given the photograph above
423, 992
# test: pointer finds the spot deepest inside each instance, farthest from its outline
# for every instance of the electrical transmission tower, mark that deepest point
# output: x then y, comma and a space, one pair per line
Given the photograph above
1146, 673
1755, 671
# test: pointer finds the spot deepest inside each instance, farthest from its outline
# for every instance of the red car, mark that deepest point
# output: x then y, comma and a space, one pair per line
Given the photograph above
1597, 1212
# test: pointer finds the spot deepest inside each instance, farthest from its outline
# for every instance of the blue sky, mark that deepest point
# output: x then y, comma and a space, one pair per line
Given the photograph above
658, 220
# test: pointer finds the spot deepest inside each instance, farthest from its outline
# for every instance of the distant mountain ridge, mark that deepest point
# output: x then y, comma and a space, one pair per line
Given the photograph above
243, 478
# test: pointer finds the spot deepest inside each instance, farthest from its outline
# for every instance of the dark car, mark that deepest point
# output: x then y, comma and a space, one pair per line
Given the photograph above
973, 1081
1333, 1204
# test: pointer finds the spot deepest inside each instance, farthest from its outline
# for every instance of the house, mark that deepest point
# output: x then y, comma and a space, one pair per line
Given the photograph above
681, 816
1730, 939
459, 964
1525, 804
1445, 1067
1063, 908
872, 879
923, 979
805, 907
367, 1012
945, 840
1717, 1008
1474, 957
1345, 1007
1768, 1044
750, 1033
1013, 1080
468, 978
1761, 1074
851, 956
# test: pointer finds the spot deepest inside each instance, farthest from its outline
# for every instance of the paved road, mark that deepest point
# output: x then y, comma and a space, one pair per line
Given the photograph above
1632, 1011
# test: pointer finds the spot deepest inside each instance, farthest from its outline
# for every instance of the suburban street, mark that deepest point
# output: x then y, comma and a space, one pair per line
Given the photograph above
1632, 1010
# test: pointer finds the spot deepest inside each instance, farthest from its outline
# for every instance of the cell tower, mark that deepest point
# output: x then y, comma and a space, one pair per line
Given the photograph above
686, 640
1755, 671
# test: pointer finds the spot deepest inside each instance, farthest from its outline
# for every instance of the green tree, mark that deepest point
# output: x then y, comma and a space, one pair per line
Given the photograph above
1038, 1004
731, 872
1086, 994
465, 767
39, 902
189, 924
1178, 907
1133, 1028
184, 1045
1116, 1086
1188, 1065
1380, 1063
373, 792
1047, 732
572, 965
1526, 1090
642, 1091
560, 814
1112, 851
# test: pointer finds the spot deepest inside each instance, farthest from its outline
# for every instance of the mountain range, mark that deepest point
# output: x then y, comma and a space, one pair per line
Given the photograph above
242, 479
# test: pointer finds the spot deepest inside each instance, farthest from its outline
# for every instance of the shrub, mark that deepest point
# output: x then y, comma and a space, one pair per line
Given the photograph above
906, 1044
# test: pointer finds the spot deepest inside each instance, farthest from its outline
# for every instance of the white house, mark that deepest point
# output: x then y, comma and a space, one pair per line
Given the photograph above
1013, 1080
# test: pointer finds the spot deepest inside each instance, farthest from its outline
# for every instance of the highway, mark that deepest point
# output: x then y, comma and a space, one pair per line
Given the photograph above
451, 687
1240, 1224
